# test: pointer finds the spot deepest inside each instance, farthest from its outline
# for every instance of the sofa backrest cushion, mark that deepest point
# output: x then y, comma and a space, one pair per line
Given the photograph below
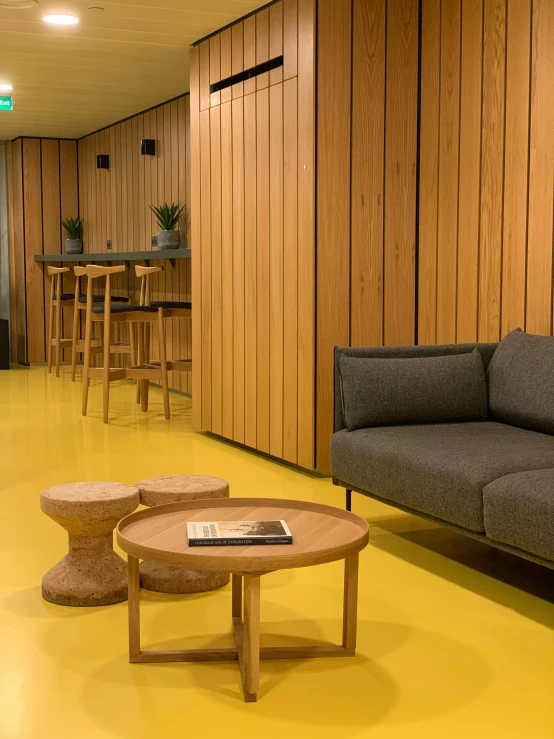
521, 381
388, 392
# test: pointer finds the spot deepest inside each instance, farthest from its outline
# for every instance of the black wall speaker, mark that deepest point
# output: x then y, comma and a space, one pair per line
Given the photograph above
102, 161
148, 147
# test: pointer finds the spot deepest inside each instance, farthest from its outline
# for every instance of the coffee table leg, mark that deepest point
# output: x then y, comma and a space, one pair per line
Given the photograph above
350, 612
237, 596
251, 641
134, 608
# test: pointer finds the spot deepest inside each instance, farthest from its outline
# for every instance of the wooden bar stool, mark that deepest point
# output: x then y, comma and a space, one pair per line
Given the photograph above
115, 314
58, 301
78, 344
170, 309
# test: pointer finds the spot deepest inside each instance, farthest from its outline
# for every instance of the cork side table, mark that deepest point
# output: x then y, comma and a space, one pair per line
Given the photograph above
91, 573
321, 534
164, 578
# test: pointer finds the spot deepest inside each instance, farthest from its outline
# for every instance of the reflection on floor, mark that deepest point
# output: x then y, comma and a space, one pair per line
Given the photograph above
455, 640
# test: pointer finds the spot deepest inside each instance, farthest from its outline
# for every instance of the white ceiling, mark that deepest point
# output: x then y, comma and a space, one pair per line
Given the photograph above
128, 57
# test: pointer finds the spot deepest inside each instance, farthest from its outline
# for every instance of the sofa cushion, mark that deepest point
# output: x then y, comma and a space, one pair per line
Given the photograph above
521, 381
386, 392
519, 510
439, 469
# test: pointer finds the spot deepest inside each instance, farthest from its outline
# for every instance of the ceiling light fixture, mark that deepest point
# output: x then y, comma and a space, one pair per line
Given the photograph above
62, 20
4, 87
18, 4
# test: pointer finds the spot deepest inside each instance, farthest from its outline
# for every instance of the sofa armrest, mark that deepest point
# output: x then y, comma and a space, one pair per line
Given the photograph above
400, 352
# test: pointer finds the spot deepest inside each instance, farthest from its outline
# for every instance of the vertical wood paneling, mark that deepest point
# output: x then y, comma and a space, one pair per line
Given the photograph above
290, 284
470, 168
250, 52
429, 169
13, 286
237, 57
541, 165
227, 275
400, 172
227, 93
19, 328
276, 264
215, 67
216, 288
492, 168
250, 273
196, 242
449, 131
263, 267
51, 212
290, 39
368, 131
34, 283
238, 267
306, 233
333, 192
206, 268
262, 46
204, 82
514, 253
276, 40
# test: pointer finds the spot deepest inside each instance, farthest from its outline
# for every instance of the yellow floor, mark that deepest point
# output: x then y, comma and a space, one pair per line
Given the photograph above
454, 640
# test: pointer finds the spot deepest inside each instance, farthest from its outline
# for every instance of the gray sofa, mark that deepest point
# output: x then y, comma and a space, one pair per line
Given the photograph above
465, 441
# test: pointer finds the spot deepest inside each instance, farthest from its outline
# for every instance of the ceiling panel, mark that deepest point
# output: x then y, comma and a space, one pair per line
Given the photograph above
129, 56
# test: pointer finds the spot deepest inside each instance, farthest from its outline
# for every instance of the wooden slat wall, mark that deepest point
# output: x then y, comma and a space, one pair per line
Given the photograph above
486, 176
366, 186
254, 210
115, 203
42, 181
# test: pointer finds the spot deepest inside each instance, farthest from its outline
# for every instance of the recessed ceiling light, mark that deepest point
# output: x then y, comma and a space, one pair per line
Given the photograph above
4, 87
62, 20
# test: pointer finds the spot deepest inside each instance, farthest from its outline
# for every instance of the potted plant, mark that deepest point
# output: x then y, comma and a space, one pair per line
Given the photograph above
168, 217
73, 228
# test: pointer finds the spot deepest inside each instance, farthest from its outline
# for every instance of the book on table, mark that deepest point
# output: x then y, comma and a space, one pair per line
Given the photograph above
237, 533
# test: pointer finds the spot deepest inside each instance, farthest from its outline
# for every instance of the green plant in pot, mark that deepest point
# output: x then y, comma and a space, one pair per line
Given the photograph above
73, 228
168, 217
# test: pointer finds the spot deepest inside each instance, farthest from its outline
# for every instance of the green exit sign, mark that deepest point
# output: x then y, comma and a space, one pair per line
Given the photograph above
6, 102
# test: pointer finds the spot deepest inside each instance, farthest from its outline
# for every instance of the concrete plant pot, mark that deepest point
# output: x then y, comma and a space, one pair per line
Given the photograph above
74, 246
169, 239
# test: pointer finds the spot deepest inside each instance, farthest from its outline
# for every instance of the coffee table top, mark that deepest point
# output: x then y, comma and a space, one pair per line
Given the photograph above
320, 534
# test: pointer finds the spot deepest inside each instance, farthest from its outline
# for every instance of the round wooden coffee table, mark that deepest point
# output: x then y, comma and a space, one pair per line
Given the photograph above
321, 534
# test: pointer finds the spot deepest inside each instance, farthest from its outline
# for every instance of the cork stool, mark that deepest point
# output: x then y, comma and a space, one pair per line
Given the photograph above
91, 573
180, 489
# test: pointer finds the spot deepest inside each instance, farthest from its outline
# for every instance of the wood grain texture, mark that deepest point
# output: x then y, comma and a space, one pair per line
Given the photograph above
400, 172
492, 169
541, 165
514, 254
449, 132
250, 52
206, 268
215, 67
276, 269
227, 273
250, 273
262, 46
196, 238
290, 283
368, 154
470, 170
216, 273
263, 269
290, 39
238, 269
34, 283
276, 40
226, 54
333, 197
429, 169
306, 233
204, 80
237, 57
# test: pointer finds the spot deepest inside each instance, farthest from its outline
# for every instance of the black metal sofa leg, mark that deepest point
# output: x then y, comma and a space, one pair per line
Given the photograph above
349, 500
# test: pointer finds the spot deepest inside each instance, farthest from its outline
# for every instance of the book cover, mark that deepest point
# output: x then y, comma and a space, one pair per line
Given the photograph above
237, 533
